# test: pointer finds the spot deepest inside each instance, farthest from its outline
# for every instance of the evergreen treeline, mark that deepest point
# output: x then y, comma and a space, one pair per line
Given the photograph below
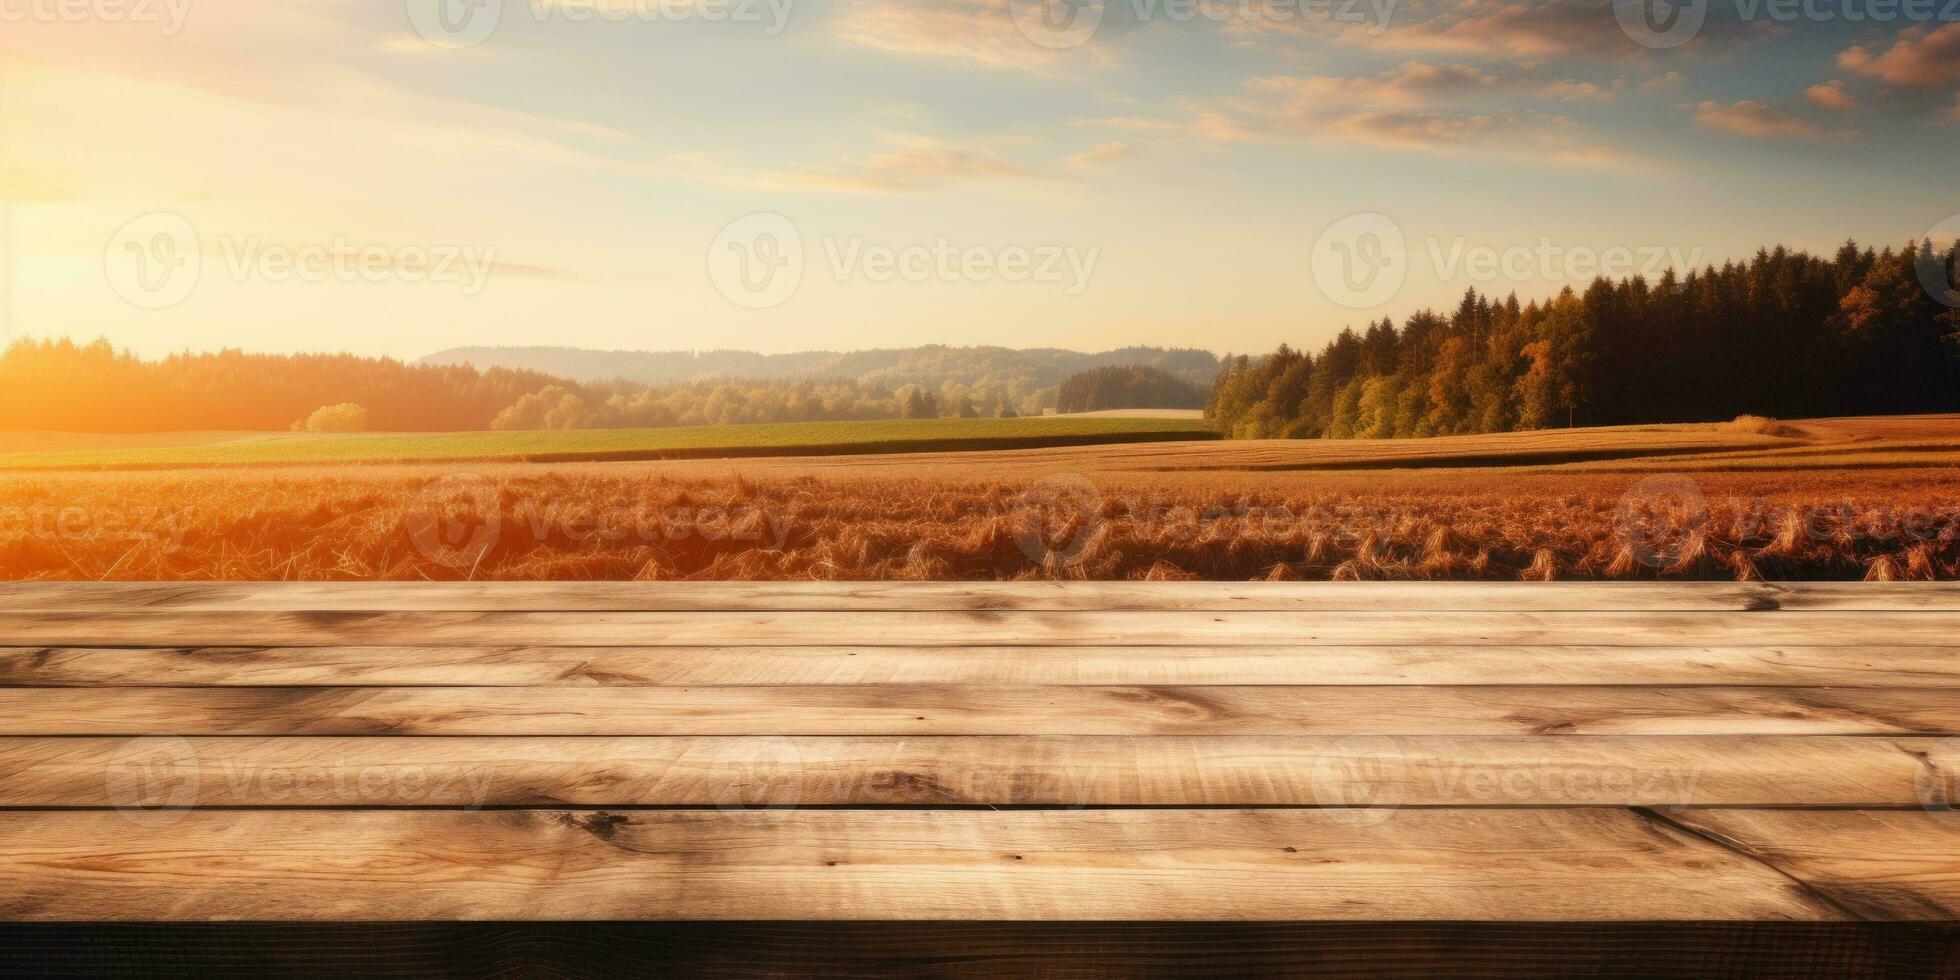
1785, 334
64, 386
1126, 386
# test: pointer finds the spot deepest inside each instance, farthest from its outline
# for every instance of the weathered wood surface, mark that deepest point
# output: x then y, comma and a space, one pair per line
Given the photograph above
1006, 751
1870, 665
1874, 864
963, 710
1509, 864
778, 771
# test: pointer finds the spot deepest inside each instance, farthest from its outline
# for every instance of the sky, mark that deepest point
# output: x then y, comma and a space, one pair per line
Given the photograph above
396, 177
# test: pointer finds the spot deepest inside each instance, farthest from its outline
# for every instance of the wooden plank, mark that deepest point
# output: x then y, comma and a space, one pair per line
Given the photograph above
1512, 864
530, 666
868, 596
1875, 864
957, 710
773, 771
987, 628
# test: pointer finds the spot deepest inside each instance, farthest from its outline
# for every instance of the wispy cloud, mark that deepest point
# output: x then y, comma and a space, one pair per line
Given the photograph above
1525, 135
1516, 29
18, 185
1759, 120
913, 163
1100, 154
1830, 95
971, 32
1414, 83
1421, 107
1921, 56
1408, 85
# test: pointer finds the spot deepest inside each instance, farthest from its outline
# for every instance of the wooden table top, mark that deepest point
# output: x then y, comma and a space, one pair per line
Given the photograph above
1282, 752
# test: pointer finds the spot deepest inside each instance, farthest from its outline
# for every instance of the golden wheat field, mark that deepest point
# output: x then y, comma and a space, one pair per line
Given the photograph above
1838, 499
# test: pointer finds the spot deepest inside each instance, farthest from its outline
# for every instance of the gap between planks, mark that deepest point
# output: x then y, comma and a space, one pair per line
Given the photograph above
979, 628
943, 596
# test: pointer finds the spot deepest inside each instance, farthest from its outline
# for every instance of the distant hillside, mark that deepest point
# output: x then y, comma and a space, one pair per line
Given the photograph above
1029, 375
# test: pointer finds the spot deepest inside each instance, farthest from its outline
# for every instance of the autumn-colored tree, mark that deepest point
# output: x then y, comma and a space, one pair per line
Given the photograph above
1785, 333
344, 417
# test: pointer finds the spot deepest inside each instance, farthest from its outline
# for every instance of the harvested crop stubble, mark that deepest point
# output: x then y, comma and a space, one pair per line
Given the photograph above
658, 521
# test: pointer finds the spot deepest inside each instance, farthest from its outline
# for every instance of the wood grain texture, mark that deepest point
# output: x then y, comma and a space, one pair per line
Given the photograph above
531, 666
776, 771
1877, 864
1253, 865
916, 596
957, 710
978, 628
996, 751
851, 950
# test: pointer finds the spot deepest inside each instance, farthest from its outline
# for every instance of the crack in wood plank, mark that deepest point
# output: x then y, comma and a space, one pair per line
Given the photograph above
1748, 853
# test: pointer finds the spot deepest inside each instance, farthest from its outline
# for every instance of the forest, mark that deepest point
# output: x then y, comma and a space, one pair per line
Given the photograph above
61, 385
64, 386
1786, 334
1126, 386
